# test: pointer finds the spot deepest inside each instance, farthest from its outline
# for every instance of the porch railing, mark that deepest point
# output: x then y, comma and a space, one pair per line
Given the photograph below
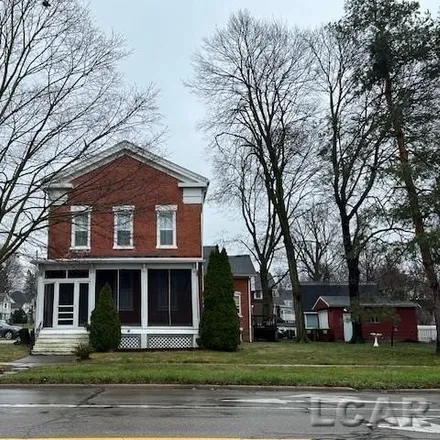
38, 329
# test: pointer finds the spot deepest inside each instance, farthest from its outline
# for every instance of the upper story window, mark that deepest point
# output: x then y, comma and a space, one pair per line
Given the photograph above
123, 236
166, 226
80, 227
258, 294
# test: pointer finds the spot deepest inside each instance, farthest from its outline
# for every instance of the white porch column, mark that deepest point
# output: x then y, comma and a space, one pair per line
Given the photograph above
39, 306
144, 296
195, 296
92, 291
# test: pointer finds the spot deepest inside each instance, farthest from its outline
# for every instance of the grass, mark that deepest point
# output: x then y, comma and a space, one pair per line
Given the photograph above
356, 366
287, 353
11, 352
355, 377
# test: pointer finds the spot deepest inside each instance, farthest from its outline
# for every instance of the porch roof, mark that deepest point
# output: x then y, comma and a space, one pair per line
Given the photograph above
120, 260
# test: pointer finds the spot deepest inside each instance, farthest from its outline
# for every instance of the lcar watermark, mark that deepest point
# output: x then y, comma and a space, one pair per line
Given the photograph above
383, 411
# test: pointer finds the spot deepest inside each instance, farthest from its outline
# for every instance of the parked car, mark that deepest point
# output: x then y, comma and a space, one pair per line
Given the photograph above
8, 331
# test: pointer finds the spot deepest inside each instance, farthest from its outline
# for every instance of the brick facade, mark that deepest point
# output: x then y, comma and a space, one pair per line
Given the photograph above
242, 285
126, 181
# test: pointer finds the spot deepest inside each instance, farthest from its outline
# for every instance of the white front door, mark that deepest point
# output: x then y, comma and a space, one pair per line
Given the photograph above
67, 307
348, 327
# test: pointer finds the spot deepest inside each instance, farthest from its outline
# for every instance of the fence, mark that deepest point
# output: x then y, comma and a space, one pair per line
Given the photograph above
426, 333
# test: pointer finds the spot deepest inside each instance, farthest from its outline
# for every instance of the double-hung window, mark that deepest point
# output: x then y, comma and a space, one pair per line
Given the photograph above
237, 300
166, 226
123, 229
81, 221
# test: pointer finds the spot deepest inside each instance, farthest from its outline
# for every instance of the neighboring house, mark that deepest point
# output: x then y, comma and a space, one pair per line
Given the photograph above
284, 305
20, 301
334, 316
311, 291
133, 220
5, 306
244, 274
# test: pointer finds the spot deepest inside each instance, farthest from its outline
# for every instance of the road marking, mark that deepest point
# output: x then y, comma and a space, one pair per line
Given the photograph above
155, 438
416, 425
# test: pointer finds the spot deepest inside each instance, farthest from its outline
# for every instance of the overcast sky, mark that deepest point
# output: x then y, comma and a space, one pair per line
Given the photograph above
163, 35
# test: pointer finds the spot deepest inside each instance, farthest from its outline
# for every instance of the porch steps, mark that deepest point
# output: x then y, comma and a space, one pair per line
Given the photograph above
51, 343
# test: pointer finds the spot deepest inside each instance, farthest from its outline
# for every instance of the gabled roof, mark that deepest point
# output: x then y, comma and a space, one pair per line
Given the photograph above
311, 291
334, 301
241, 265
344, 301
186, 177
19, 298
4, 297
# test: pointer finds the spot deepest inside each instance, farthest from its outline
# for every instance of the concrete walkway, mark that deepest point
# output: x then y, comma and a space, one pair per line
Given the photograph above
36, 361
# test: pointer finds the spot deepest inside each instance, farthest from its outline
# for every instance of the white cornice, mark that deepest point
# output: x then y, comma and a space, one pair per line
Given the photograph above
186, 176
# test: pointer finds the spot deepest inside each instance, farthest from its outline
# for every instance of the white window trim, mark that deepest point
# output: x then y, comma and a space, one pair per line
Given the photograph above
166, 208
305, 320
123, 208
83, 209
238, 294
258, 294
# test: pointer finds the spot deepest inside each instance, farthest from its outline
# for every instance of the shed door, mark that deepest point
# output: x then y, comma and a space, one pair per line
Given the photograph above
348, 327
323, 319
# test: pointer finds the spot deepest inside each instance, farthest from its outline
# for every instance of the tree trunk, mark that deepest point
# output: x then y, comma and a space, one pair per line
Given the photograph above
352, 260
416, 212
265, 290
301, 335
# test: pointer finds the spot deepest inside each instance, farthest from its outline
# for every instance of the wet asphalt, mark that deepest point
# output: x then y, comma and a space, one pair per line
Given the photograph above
138, 410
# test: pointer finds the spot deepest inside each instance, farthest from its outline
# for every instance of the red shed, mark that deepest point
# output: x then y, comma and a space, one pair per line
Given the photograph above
334, 316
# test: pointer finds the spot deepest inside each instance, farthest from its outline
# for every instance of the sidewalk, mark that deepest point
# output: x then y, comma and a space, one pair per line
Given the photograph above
35, 361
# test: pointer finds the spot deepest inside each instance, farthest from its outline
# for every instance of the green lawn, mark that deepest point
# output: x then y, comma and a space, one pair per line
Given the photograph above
288, 353
356, 366
355, 377
11, 352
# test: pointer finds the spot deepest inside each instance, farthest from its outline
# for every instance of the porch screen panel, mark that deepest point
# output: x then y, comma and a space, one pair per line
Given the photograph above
169, 297
106, 276
158, 297
49, 290
130, 297
83, 311
180, 297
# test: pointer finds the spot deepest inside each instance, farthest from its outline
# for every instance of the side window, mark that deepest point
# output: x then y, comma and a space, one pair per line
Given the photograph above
237, 299
81, 219
123, 226
166, 226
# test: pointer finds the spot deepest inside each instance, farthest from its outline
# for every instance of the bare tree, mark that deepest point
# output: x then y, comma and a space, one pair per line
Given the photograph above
11, 274
61, 99
317, 242
240, 184
253, 77
354, 147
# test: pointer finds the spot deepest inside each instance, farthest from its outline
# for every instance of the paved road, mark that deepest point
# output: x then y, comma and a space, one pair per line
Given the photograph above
152, 411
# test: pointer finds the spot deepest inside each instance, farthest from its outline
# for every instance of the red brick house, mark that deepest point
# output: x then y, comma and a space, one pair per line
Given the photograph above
244, 274
134, 220
334, 316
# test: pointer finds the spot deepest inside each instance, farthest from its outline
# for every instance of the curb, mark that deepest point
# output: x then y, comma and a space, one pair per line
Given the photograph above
220, 387
180, 386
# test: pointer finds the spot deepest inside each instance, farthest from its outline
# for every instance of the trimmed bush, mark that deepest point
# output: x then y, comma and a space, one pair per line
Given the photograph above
83, 351
220, 325
105, 326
